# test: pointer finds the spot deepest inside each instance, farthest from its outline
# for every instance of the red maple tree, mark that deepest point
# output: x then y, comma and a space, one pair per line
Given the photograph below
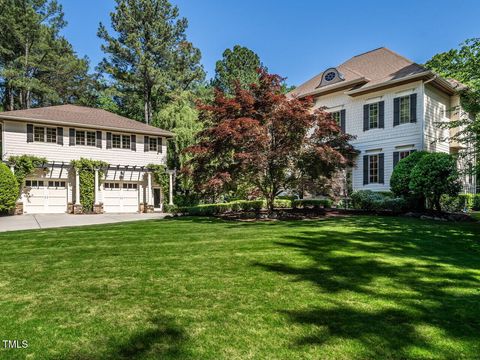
261, 137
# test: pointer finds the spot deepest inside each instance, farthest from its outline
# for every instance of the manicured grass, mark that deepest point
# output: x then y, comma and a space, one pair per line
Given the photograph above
342, 288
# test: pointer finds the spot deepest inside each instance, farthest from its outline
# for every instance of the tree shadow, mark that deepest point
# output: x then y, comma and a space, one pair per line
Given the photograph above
386, 283
163, 339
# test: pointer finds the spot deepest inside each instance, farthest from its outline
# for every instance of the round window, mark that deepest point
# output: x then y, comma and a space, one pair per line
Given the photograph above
330, 76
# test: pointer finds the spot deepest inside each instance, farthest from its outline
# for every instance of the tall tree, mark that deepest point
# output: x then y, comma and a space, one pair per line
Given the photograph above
260, 137
463, 64
238, 65
148, 56
37, 66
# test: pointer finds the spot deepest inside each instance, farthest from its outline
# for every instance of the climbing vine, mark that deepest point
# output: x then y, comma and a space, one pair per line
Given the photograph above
86, 169
160, 176
25, 165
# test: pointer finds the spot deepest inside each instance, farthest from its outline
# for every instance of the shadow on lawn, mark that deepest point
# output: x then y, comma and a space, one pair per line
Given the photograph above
435, 287
163, 340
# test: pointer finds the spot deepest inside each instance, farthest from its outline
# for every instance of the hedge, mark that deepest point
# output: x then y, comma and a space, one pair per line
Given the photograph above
8, 189
311, 203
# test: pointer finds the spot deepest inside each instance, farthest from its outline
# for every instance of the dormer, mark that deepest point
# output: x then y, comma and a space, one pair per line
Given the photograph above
331, 76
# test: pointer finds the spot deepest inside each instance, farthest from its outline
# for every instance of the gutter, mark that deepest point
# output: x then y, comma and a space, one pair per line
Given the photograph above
87, 126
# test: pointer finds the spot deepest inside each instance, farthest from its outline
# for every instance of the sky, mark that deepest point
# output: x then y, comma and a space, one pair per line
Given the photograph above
299, 39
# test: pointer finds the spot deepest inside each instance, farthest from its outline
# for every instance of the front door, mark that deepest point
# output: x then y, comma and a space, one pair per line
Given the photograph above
157, 198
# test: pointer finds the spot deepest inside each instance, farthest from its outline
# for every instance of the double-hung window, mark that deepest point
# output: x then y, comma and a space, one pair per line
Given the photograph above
120, 141
39, 134
404, 106
373, 116
373, 169
45, 134
125, 142
85, 138
153, 144
336, 116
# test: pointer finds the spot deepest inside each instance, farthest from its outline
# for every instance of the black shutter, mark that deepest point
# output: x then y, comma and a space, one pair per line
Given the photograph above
342, 121
60, 135
29, 133
413, 108
99, 139
395, 158
146, 143
381, 168
365, 117
133, 142
109, 140
159, 145
71, 133
396, 111
365, 169
381, 114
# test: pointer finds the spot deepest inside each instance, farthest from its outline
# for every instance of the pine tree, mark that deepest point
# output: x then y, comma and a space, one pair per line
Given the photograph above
148, 57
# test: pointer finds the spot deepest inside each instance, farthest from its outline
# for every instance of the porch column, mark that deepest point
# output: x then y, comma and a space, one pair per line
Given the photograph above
77, 187
12, 169
149, 189
170, 188
96, 187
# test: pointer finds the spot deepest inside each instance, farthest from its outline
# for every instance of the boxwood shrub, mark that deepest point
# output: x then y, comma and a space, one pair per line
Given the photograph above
462, 202
371, 200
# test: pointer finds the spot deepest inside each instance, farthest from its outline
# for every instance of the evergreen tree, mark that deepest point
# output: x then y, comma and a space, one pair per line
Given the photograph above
148, 57
237, 65
37, 66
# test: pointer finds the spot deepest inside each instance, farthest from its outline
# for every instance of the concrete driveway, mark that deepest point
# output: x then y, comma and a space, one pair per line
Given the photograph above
45, 221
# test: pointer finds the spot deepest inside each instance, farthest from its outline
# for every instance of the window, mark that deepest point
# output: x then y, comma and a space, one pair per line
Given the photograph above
80, 138
111, 186
373, 116
34, 183
56, 184
404, 106
85, 138
153, 144
120, 141
373, 169
116, 141
336, 116
330, 76
39, 134
125, 142
129, 186
403, 154
91, 138
51, 135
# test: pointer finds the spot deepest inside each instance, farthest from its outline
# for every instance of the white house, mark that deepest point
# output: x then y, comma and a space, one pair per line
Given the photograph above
67, 132
393, 106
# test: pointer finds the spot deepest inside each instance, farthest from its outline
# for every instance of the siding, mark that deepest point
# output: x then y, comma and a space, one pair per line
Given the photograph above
15, 143
386, 139
437, 110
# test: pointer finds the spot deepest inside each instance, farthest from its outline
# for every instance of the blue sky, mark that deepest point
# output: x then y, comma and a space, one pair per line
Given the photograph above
298, 39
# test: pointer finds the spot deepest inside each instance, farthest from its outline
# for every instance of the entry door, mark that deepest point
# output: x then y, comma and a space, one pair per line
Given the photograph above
157, 204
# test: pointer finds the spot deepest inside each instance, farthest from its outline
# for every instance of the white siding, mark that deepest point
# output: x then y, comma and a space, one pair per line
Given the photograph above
437, 110
15, 143
385, 140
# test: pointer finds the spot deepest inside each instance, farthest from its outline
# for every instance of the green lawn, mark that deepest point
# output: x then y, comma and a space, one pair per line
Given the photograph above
343, 288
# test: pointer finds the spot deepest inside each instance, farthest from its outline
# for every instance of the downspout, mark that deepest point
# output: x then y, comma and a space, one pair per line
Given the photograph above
423, 110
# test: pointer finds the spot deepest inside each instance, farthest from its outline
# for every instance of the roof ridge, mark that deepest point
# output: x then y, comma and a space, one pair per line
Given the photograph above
369, 51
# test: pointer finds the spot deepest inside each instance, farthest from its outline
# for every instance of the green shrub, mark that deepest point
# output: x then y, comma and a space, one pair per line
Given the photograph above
402, 174
215, 209
460, 203
311, 203
435, 175
282, 203
371, 200
476, 202
366, 199
8, 189
86, 169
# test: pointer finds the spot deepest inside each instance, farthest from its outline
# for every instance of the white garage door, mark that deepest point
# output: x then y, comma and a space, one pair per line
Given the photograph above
45, 197
120, 197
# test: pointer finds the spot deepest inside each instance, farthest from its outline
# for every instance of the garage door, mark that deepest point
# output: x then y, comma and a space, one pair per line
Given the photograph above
45, 196
120, 197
